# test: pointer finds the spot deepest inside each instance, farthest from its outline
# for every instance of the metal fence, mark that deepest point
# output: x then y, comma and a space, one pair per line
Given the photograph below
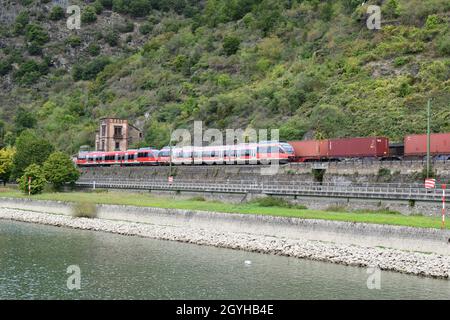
398, 191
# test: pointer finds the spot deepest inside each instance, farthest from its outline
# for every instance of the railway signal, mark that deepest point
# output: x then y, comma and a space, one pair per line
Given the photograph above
430, 183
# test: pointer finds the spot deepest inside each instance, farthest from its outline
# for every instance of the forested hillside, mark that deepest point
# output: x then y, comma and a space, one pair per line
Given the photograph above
308, 67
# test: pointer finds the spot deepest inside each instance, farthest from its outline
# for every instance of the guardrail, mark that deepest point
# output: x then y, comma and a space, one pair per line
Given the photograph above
364, 191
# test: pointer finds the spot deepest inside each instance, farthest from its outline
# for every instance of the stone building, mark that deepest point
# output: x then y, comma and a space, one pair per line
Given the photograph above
116, 135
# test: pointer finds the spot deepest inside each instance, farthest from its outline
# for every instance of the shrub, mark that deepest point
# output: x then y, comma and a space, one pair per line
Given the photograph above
35, 33
128, 26
57, 13
112, 38
89, 15
5, 67
276, 202
84, 210
59, 170
443, 44
146, 28
93, 49
38, 181
98, 6
231, 44
34, 48
73, 41
29, 72
89, 71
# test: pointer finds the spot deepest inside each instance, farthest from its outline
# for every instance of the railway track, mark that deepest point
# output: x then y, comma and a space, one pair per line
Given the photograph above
364, 191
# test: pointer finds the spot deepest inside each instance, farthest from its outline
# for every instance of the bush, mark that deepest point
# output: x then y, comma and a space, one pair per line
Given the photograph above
38, 181
84, 210
29, 72
128, 26
89, 71
98, 6
57, 13
443, 44
94, 49
73, 41
60, 170
5, 67
276, 202
112, 38
34, 48
89, 15
231, 45
146, 28
35, 33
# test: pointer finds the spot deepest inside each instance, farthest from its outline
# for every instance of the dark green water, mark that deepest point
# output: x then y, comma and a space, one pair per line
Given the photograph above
34, 260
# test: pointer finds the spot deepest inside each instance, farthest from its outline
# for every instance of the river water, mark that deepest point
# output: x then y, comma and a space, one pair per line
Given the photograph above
34, 261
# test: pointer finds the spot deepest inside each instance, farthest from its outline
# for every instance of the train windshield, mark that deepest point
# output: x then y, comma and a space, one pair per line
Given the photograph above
287, 148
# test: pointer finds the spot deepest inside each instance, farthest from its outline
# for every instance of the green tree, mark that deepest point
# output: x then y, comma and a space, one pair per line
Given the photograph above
59, 169
38, 182
6, 163
23, 120
29, 149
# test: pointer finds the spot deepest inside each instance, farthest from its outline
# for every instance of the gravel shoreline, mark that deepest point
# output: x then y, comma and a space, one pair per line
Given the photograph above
422, 264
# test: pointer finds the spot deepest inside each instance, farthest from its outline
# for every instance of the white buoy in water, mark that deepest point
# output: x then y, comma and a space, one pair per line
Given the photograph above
247, 262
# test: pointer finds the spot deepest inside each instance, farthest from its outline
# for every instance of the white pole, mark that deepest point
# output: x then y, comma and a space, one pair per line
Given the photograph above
443, 205
93, 185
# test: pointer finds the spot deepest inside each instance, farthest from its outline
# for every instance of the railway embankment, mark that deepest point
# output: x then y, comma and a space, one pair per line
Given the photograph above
419, 251
342, 172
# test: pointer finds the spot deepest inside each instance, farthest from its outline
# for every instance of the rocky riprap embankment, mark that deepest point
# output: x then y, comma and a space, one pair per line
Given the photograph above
431, 265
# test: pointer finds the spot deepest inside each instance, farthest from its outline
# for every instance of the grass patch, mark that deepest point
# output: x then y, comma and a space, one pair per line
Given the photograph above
253, 207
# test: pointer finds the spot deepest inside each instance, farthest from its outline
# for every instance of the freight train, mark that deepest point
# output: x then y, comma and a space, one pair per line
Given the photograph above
413, 147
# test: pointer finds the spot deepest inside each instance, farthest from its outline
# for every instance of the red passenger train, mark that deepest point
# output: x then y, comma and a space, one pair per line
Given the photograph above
249, 153
414, 147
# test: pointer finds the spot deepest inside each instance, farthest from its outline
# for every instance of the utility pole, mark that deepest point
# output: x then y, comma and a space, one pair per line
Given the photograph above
428, 137
170, 154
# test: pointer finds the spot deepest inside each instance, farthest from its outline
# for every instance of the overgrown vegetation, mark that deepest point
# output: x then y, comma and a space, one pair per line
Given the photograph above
303, 66
84, 210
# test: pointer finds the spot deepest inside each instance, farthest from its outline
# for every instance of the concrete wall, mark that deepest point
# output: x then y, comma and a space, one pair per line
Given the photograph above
343, 172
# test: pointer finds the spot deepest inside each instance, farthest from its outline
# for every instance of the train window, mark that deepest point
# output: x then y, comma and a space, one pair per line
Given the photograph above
206, 154
187, 155
262, 149
197, 154
246, 153
274, 149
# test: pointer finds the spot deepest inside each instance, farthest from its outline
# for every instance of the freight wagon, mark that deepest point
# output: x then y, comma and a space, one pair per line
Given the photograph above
416, 145
310, 150
336, 149
371, 147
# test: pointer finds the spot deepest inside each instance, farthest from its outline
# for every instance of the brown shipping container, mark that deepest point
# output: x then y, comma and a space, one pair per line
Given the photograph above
358, 147
310, 149
416, 145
